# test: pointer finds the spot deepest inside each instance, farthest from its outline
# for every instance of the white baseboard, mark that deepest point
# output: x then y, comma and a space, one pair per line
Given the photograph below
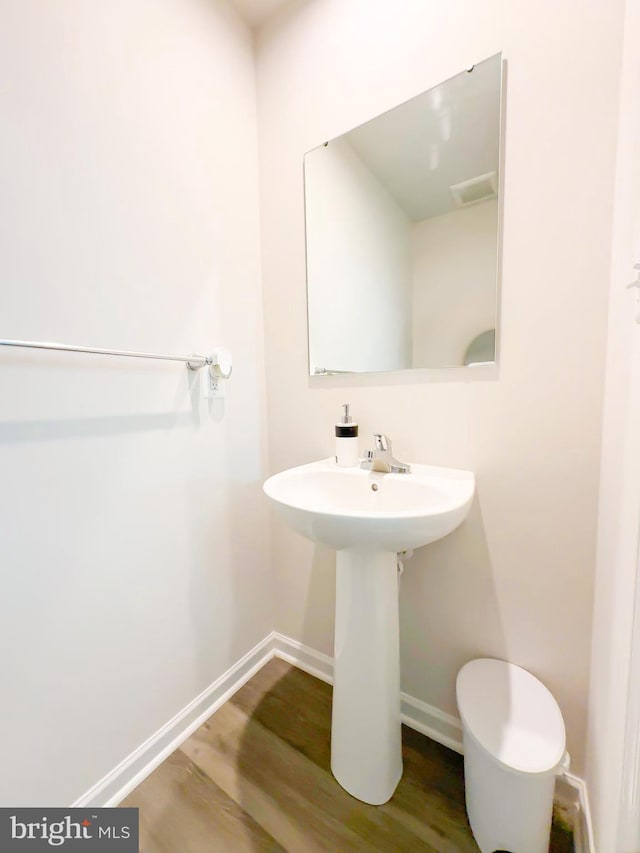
430, 721
120, 781
303, 657
439, 726
573, 799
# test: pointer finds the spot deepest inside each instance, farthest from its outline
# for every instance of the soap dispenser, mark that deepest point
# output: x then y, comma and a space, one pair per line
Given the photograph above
346, 440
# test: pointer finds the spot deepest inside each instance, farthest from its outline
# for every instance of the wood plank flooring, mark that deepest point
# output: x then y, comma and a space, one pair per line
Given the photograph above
256, 777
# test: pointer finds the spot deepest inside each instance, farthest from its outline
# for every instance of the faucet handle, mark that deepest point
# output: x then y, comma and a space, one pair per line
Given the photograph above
381, 442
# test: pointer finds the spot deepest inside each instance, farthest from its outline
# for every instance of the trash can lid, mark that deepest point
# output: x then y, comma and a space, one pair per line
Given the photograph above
511, 714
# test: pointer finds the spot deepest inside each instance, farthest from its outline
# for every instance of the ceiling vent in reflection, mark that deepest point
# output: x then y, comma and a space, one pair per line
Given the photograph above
475, 189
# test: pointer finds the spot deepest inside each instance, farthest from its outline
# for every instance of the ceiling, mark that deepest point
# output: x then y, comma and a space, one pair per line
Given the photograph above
256, 12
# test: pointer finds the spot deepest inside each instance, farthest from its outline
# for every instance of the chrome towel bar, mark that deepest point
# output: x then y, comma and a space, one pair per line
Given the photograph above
193, 362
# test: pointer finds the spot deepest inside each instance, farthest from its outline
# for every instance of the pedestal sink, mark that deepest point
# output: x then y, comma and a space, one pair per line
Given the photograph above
368, 517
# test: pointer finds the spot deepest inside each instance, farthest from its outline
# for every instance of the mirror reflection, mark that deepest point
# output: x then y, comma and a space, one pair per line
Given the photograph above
402, 233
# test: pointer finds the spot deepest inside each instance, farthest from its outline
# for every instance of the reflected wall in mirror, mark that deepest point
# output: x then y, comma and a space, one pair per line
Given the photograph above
402, 222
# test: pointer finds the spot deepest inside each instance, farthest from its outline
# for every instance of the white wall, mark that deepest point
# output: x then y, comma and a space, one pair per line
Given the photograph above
614, 806
129, 218
516, 580
454, 283
359, 265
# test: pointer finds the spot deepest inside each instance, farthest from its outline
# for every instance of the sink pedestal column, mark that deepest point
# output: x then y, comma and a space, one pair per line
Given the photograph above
366, 739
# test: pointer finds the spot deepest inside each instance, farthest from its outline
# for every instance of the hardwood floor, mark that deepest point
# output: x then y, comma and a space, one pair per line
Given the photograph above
256, 777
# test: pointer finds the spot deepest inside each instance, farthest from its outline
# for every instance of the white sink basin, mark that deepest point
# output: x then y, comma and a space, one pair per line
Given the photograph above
368, 517
354, 508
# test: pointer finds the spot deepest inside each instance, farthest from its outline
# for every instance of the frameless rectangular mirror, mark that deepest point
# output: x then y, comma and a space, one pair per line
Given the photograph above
402, 224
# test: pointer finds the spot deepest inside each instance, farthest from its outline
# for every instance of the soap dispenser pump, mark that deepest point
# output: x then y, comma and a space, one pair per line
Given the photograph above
346, 440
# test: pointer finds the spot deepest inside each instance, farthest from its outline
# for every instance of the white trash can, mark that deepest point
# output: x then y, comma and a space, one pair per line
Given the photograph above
514, 747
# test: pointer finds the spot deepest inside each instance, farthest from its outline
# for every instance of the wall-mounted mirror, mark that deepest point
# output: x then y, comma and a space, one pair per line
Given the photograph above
402, 222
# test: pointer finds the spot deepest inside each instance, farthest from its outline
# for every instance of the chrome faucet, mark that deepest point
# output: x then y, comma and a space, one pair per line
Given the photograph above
380, 458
